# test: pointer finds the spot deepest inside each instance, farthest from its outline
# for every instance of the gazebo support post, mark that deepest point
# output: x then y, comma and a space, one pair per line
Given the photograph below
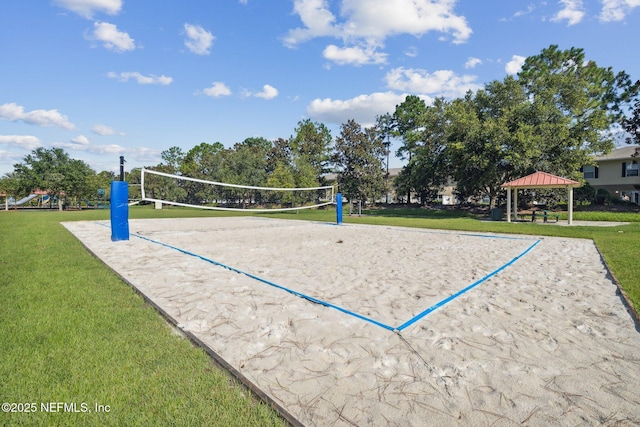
515, 204
570, 205
508, 204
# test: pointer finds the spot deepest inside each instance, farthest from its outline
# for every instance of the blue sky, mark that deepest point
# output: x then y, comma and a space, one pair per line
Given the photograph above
105, 78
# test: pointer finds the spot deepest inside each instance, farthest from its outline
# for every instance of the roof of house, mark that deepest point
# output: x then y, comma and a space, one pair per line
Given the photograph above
541, 180
622, 153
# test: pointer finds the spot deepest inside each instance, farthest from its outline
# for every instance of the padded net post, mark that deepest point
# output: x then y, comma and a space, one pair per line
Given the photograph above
119, 211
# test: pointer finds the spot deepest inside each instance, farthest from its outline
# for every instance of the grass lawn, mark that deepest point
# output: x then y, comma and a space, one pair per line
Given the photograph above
73, 332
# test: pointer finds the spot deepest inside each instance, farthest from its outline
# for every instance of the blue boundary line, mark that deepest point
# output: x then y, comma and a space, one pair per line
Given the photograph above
260, 279
462, 291
344, 310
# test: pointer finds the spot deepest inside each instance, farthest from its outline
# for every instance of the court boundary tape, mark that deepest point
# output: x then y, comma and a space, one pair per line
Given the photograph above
465, 290
336, 307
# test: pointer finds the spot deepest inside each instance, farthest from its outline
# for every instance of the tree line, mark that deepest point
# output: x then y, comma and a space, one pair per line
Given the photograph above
555, 115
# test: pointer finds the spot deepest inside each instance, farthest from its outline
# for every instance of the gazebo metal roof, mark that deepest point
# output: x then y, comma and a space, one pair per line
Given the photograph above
541, 180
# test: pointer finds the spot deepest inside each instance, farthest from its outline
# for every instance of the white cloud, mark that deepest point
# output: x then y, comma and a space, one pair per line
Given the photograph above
87, 8
150, 79
268, 92
572, 12
369, 22
104, 130
526, 11
354, 55
112, 38
89, 148
363, 109
28, 142
199, 40
45, 118
317, 19
472, 62
106, 149
377, 20
439, 83
514, 66
80, 140
217, 89
411, 52
617, 10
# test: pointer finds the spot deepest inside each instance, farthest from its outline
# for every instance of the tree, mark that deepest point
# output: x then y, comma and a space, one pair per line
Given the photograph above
575, 103
427, 171
51, 170
79, 181
281, 177
9, 185
172, 159
279, 154
408, 124
246, 164
491, 140
204, 161
359, 159
384, 124
631, 125
312, 142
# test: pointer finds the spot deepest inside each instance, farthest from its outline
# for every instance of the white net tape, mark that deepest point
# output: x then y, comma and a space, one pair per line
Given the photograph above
185, 191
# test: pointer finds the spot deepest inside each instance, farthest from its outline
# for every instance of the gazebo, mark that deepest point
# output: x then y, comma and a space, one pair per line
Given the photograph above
538, 180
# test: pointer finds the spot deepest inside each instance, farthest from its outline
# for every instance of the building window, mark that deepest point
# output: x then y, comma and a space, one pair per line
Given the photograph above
632, 169
589, 172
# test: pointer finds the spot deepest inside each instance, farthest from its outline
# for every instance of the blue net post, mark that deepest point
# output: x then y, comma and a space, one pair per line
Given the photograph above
339, 208
119, 210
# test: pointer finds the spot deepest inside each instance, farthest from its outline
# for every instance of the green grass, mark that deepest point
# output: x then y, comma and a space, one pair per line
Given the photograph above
72, 331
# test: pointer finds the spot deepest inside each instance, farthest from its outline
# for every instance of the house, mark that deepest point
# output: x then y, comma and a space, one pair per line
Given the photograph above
617, 172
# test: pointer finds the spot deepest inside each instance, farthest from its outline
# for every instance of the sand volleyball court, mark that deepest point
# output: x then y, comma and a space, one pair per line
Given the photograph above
356, 325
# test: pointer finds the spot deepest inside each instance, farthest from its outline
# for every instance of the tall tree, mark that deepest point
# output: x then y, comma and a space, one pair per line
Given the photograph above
631, 125
575, 103
408, 125
172, 159
80, 181
359, 160
426, 172
384, 124
246, 164
312, 142
499, 143
204, 161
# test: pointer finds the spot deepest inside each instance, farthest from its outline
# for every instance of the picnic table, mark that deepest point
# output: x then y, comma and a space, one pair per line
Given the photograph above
537, 214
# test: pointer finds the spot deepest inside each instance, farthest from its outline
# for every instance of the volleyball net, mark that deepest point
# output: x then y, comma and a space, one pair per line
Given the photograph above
165, 188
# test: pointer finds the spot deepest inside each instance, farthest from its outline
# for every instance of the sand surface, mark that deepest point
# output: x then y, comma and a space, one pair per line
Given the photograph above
541, 338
